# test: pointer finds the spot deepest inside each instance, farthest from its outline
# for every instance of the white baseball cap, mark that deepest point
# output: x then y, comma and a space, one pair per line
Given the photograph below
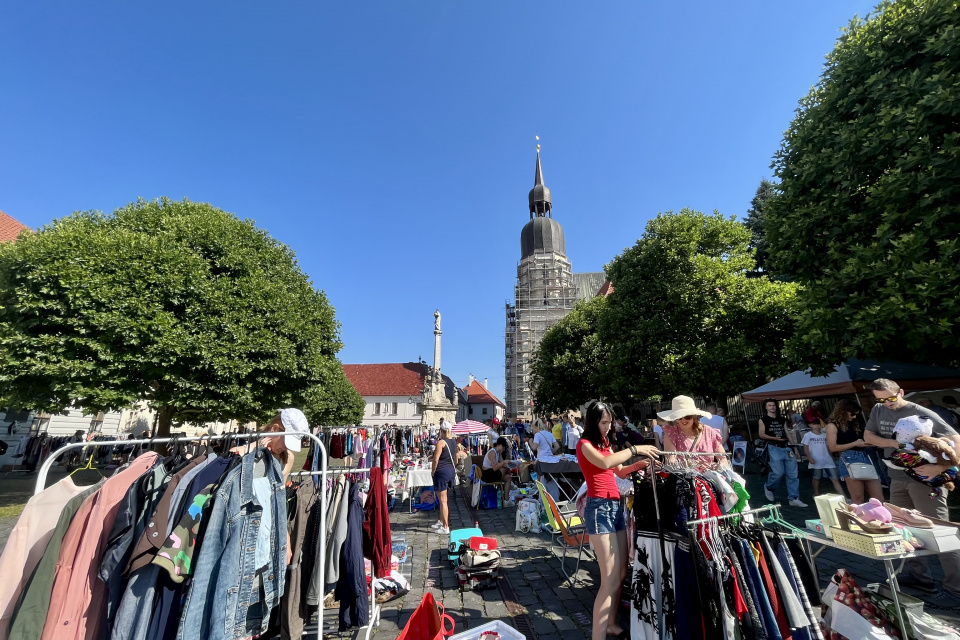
294, 420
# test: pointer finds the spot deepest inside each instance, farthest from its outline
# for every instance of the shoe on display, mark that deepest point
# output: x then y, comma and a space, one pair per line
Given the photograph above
945, 600
796, 502
909, 517
907, 580
768, 494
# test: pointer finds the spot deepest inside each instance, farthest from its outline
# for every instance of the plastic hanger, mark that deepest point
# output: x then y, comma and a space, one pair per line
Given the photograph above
88, 467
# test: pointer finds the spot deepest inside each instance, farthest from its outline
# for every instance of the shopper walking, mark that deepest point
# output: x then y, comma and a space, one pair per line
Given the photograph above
783, 460
603, 515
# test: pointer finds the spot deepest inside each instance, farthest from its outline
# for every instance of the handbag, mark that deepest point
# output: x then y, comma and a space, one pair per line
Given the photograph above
861, 471
428, 622
450, 453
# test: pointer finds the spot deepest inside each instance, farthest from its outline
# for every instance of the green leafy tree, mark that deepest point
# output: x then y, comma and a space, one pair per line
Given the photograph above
568, 368
178, 304
755, 223
868, 213
685, 317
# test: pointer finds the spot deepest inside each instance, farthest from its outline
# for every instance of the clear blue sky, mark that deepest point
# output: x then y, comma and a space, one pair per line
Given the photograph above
391, 144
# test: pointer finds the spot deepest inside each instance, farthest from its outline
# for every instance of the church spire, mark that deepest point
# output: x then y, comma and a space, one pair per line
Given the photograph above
539, 197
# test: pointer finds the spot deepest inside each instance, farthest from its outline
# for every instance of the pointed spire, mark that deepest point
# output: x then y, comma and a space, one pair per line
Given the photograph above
539, 197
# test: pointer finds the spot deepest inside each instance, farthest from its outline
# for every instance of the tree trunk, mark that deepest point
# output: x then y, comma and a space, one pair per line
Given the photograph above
164, 421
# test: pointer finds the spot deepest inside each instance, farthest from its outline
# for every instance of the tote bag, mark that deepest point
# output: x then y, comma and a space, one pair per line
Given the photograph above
428, 622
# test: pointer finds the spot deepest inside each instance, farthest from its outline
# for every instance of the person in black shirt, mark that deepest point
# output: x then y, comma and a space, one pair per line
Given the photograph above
783, 460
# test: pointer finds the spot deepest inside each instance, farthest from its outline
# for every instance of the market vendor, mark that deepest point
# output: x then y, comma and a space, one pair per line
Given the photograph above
906, 492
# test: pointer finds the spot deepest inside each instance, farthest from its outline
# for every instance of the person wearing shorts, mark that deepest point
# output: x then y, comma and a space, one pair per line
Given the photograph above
445, 456
821, 462
496, 468
603, 514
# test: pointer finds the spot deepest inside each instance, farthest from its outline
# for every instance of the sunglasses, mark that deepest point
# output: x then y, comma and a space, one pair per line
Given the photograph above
890, 399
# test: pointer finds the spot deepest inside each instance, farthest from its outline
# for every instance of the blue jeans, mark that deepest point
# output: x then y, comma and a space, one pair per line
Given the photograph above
781, 464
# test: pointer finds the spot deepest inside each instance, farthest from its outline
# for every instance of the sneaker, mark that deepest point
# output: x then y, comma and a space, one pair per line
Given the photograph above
797, 503
907, 580
443, 531
768, 494
945, 600
436, 525
509, 503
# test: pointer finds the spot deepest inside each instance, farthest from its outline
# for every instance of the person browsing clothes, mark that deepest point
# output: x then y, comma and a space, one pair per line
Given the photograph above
604, 515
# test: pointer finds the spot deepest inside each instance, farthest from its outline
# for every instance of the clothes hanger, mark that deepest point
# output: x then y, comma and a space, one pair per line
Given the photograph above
88, 467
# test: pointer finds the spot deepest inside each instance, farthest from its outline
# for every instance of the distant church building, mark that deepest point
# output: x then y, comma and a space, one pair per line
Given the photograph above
545, 292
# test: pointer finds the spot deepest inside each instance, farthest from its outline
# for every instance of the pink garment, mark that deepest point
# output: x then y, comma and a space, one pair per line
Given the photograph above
28, 541
79, 595
710, 441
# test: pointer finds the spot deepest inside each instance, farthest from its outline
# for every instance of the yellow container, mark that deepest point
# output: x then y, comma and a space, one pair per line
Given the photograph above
872, 544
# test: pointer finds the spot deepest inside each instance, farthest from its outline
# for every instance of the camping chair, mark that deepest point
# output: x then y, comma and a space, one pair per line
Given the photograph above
566, 531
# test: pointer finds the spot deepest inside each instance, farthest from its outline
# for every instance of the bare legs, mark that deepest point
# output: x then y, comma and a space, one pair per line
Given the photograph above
444, 511
611, 550
856, 487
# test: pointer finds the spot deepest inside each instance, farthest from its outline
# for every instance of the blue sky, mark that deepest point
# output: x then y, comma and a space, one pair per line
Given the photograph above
391, 144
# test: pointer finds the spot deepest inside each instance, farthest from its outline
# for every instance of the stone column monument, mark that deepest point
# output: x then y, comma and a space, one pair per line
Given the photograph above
436, 402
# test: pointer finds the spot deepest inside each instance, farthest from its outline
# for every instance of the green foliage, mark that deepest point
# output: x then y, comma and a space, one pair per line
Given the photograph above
568, 368
754, 222
868, 215
686, 318
179, 304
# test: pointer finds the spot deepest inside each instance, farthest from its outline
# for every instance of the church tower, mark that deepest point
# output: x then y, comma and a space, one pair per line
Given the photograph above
545, 291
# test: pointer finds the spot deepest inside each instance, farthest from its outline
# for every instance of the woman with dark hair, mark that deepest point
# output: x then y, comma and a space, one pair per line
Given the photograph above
496, 467
844, 437
603, 515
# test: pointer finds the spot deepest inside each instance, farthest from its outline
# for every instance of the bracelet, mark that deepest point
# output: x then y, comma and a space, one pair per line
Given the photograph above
633, 449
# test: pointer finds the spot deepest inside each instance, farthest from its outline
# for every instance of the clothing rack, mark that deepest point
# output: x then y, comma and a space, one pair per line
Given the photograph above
656, 505
748, 512
48, 463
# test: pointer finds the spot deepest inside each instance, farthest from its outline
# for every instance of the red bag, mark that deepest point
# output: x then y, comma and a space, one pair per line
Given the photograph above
481, 543
428, 622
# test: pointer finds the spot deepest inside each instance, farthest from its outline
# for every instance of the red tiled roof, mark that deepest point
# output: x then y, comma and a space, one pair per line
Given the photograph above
478, 394
606, 289
392, 379
10, 228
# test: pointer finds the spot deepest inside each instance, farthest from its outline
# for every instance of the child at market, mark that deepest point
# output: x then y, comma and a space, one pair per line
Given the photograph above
821, 462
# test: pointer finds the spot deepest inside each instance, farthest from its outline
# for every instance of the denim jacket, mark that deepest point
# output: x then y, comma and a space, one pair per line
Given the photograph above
229, 598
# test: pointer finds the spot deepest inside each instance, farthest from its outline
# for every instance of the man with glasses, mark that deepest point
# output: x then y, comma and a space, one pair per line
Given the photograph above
906, 492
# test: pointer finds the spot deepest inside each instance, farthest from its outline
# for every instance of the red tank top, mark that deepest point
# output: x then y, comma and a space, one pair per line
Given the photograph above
600, 482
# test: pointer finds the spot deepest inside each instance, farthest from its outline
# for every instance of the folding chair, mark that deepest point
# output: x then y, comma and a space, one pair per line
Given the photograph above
566, 531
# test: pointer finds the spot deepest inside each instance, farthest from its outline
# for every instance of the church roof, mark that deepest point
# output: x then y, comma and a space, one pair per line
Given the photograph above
392, 379
10, 227
589, 284
479, 394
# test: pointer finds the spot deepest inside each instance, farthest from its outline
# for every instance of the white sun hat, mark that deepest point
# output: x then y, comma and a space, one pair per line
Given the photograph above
681, 407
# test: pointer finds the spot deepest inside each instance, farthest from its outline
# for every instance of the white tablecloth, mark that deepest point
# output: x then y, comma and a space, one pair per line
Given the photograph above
417, 478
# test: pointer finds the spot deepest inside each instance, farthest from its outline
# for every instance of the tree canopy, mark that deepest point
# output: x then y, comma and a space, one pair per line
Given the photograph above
868, 214
688, 314
755, 223
178, 304
568, 368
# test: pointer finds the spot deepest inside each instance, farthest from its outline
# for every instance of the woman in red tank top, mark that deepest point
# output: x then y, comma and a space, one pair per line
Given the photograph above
603, 515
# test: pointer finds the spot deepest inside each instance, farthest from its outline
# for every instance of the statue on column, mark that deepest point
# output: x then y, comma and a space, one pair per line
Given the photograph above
436, 320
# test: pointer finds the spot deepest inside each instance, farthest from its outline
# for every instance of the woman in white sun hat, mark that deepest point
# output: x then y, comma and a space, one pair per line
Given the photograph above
683, 432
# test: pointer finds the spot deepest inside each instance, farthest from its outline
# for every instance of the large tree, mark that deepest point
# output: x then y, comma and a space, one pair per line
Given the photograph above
569, 365
868, 215
178, 304
685, 317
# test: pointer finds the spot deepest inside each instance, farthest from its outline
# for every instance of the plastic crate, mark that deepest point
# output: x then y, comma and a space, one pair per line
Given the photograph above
506, 632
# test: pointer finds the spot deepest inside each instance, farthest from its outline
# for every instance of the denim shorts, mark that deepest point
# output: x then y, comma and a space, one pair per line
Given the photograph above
604, 515
851, 455
830, 472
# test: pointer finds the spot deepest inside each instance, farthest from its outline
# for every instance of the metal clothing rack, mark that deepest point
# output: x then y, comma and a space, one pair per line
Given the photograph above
48, 463
747, 512
656, 505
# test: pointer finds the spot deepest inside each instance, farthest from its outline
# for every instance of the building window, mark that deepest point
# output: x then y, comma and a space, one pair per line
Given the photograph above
393, 408
376, 408
419, 408
470, 411
484, 411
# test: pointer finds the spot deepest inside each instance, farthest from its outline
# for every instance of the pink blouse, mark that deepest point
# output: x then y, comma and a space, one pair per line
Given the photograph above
710, 441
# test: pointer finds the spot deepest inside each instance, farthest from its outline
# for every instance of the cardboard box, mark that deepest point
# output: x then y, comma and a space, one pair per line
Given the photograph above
871, 544
817, 527
941, 538
826, 508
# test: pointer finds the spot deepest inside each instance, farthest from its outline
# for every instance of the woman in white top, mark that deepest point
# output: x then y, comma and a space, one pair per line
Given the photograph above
496, 467
544, 444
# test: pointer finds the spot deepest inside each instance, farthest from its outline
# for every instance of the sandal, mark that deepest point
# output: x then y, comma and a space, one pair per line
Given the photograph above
845, 518
908, 517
